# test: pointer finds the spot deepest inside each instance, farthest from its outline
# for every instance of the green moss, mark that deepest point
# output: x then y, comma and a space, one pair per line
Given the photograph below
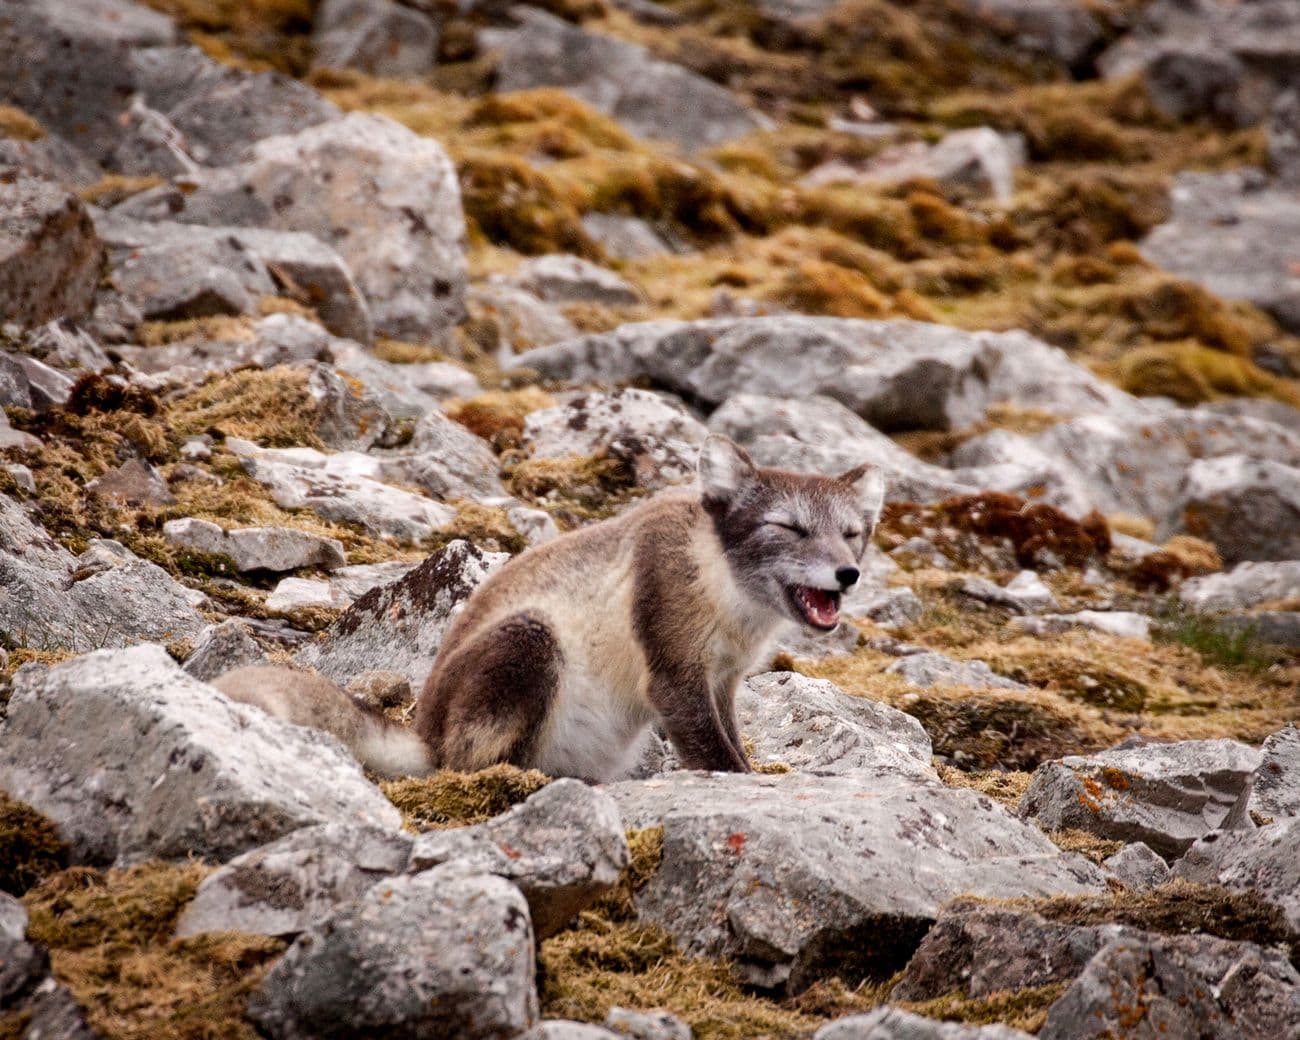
448, 799
30, 847
513, 203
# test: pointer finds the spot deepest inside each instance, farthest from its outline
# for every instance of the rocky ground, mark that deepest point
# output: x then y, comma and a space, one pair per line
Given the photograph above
313, 313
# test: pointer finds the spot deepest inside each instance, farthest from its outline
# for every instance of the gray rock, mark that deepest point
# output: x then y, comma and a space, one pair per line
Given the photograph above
344, 486
563, 847
64, 345
133, 483
400, 626
378, 37
521, 320
895, 374
647, 1025
13, 917
1024, 594
448, 461
433, 954
150, 145
55, 1015
1256, 408
931, 669
133, 759
354, 183
298, 593
561, 278
651, 98
795, 877
1246, 585
1137, 866
222, 111
1098, 453
563, 1029
346, 415
49, 601
257, 548
623, 237
50, 159
223, 648
889, 1023
1127, 624
1264, 862
357, 580
405, 391
1277, 780
1067, 30
976, 950
889, 608
49, 253
1284, 138
296, 882
22, 966
1166, 795
1249, 508
1280, 628
978, 160
29, 383
67, 63
1235, 239
1166, 986
653, 433
279, 339
813, 726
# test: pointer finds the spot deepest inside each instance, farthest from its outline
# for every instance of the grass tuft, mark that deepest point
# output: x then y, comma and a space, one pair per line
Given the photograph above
448, 799
30, 847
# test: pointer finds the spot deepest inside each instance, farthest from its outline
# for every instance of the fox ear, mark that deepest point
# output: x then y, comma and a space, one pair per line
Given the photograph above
724, 468
867, 482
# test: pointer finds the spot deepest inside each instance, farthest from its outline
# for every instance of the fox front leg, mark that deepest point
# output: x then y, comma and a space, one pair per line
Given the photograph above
690, 717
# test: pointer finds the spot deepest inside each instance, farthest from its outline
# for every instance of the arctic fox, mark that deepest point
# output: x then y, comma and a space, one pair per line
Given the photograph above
562, 659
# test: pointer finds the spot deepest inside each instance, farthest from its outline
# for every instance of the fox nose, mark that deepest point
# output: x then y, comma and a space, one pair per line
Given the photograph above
846, 576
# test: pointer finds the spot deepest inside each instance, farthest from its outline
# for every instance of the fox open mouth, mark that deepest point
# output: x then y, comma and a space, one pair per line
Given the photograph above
819, 607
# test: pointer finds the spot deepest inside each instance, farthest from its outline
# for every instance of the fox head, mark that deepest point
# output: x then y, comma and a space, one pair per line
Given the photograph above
794, 541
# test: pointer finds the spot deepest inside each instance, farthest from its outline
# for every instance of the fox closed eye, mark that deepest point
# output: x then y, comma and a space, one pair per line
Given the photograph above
802, 532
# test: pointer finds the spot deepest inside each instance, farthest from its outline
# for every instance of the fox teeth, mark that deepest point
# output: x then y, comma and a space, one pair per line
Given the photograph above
820, 607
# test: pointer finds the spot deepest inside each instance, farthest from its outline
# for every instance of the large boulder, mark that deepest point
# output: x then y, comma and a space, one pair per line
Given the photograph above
1150, 987
795, 877
651, 98
561, 278
447, 460
294, 883
133, 759
895, 374
399, 627
67, 63
815, 727
440, 953
1237, 238
1133, 460
1265, 862
50, 255
1248, 507
385, 198
1166, 795
257, 548
564, 847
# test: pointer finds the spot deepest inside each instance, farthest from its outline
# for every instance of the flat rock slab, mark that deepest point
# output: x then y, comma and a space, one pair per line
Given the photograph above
432, 954
293, 883
257, 548
888, 1023
930, 669
1166, 795
815, 727
564, 847
1246, 585
400, 626
796, 877
134, 760
1265, 862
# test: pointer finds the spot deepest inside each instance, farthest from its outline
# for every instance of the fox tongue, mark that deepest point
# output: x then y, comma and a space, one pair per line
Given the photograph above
819, 605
